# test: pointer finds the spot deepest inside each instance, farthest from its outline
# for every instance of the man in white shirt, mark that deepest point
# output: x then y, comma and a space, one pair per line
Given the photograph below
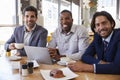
68, 39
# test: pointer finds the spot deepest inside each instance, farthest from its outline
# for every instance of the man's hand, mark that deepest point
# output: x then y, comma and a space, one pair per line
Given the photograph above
53, 53
12, 46
80, 67
17, 54
103, 62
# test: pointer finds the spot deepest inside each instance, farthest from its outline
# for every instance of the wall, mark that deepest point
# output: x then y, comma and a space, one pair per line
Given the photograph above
37, 4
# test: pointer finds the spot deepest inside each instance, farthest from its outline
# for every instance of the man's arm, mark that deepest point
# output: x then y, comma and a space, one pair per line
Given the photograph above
113, 66
81, 67
82, 43
9, 45
103, 67
93, 51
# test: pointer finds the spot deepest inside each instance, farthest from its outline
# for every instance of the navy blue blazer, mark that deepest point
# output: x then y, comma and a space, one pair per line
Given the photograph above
112, 54
38, 38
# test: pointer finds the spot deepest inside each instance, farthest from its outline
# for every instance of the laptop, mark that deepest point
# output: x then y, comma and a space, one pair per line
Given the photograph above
40, 54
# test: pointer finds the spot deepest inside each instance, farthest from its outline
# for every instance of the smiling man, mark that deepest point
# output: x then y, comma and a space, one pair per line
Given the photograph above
30, 33
70, 40
101, 57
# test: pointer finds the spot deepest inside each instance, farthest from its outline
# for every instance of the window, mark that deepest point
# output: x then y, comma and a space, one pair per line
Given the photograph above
7, 16
107, 5
50, 13
7, 21
53, 8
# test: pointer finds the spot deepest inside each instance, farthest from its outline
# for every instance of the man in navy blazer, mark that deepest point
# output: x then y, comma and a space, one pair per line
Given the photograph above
30, 33
98, 58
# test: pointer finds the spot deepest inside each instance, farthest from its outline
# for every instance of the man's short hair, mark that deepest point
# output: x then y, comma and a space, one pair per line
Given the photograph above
30, 8
67, 12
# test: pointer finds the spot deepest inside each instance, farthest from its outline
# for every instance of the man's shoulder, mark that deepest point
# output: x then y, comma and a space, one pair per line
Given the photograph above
80, 27
57, 30
116, 34
117, 31
38, 27
19, 27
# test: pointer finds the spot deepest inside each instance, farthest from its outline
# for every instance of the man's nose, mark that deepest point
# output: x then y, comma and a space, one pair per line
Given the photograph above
64, 21
101, 26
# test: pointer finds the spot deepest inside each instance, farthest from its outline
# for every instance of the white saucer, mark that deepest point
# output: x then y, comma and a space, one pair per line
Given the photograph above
35, 63
61, 63
14, 58
65, 63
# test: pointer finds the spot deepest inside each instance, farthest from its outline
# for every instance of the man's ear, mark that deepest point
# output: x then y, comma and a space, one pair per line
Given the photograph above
95, 30
113, 25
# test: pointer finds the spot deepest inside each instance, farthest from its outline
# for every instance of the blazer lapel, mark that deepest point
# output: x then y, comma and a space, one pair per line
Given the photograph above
100, 47
101, 50
110, 45
22, 35
33, 35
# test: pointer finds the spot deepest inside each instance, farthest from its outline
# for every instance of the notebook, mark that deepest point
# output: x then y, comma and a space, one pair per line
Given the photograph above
40, 54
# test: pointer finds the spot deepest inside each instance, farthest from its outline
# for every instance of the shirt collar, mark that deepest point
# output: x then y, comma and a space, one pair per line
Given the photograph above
108, 38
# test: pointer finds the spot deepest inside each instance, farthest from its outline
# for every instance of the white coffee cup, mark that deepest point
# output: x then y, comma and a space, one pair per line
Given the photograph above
19, 45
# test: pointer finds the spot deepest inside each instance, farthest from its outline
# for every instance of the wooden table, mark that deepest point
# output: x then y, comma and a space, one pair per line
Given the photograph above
7, 73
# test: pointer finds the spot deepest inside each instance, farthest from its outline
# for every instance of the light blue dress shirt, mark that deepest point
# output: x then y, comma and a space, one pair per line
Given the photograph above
27, 35
73, 44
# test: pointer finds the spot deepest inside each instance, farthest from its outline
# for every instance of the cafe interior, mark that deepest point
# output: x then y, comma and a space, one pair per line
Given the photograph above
48, 17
